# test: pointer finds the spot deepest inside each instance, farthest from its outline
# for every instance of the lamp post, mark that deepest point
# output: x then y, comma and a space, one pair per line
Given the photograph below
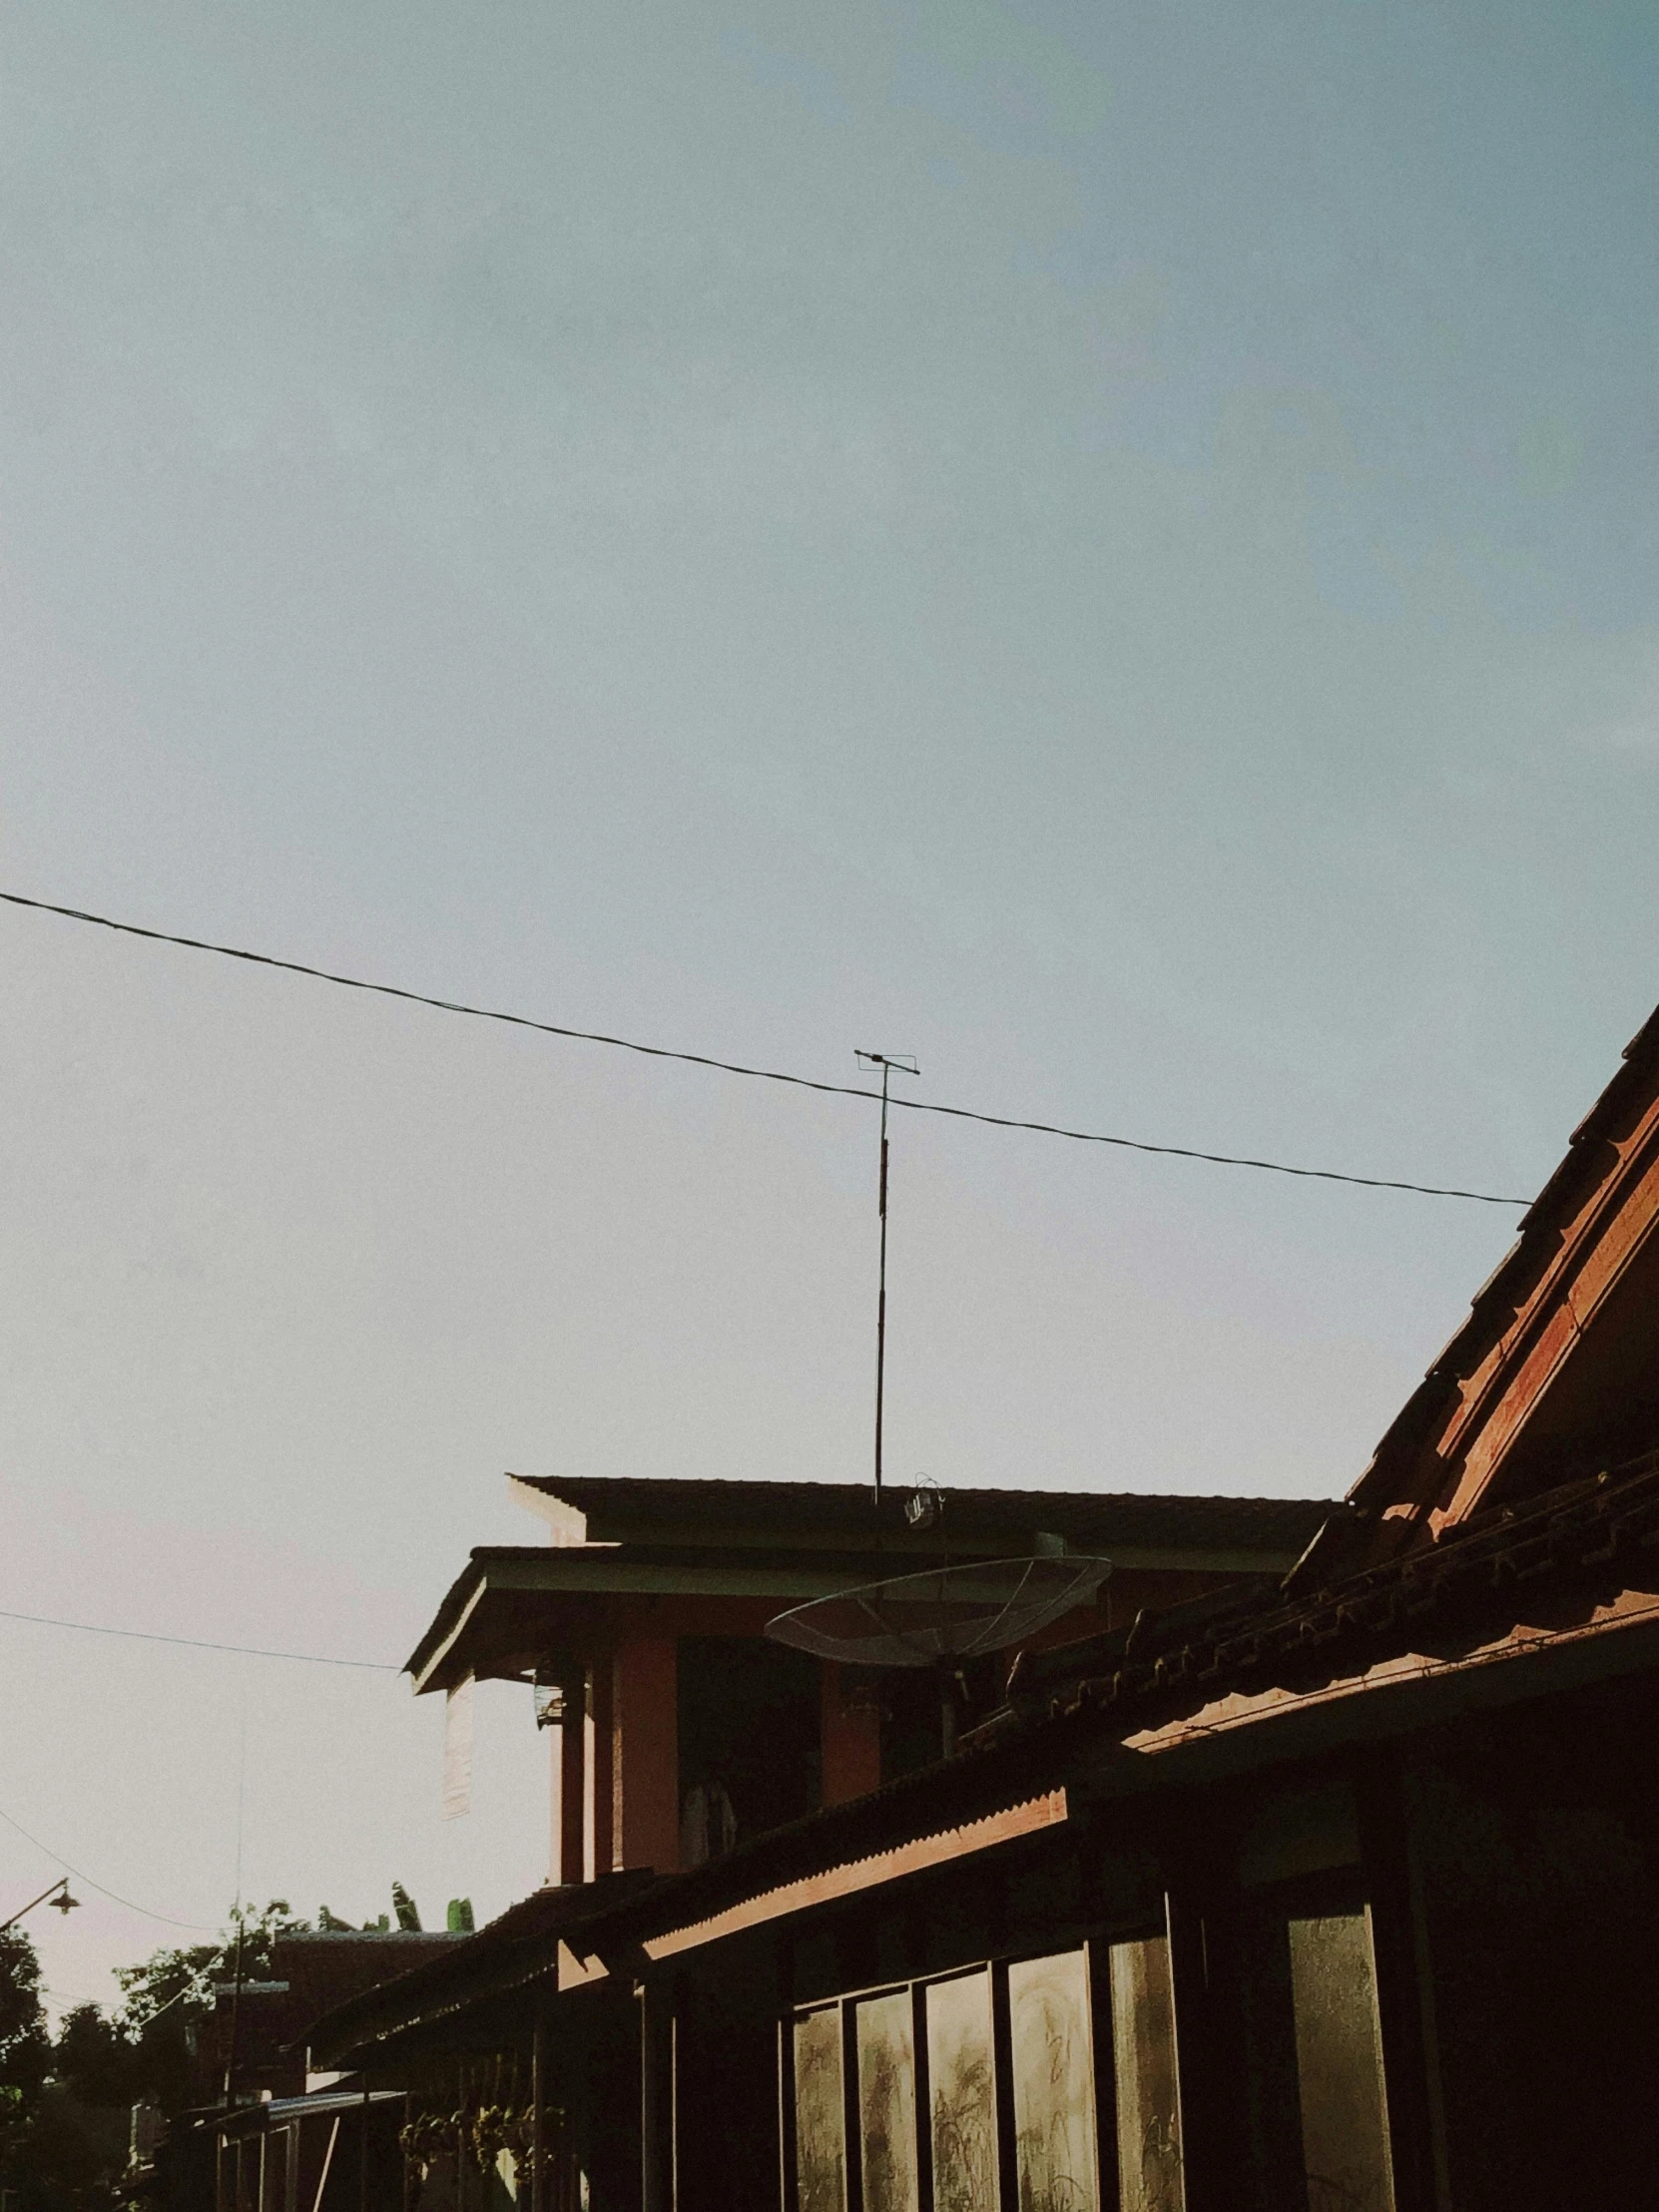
62, 1902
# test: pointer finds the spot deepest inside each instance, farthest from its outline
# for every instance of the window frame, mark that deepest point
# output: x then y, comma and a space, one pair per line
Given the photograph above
1095, 1946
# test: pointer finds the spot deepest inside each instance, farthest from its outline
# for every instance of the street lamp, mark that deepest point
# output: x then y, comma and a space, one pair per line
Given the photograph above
62, 1902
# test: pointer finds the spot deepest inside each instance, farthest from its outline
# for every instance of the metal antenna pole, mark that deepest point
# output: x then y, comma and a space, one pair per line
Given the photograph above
882, 1289
905, 1065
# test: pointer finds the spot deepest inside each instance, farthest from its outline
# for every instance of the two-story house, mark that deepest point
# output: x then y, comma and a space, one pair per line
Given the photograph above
679, 1729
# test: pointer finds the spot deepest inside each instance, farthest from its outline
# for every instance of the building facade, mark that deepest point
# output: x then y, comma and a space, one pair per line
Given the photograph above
1339, 1890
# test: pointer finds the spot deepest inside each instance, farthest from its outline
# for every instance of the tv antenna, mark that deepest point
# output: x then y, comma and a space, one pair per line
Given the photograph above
945, 1614
891, 1063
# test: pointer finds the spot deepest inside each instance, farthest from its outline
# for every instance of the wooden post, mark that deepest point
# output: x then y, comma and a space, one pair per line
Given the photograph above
598, 1793
645, 1763
1411, 2078
850, 1742
539, 2134
1195, 2085
656, 2094
569, 1767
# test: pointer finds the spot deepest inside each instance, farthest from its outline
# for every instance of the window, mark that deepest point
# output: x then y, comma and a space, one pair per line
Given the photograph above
819, 2121
886, 2052
1312, 2057
748, 1740
1144, 2079
1338, 2063
961, 2082
1053, 2075
977, 2091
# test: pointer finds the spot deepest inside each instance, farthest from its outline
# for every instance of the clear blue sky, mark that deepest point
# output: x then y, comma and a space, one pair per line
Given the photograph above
1112, 547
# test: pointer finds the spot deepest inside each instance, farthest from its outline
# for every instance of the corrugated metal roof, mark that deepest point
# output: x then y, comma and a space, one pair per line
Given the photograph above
796, 1541
642, 1508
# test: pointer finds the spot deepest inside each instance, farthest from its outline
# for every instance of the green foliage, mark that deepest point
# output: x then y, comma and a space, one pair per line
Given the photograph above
24, 2055
24, 2049
459, 1920
63, 2102
182, 1979
22, 2020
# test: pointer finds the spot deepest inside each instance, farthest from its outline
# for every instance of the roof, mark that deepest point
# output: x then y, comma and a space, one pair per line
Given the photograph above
1481, 1577
268, 2112
775, 1544
1549, 1569
654, 1510
515, 1947
1587, 1248
314, 1971
1563, 1557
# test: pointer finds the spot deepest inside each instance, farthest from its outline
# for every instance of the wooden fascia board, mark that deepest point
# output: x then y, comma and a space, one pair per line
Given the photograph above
834, 1882
425, 1678
886, 1543
574, 1571
600, 1572
925, 1549
1495, 1403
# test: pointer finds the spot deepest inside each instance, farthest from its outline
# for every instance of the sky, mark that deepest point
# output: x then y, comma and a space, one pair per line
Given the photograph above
1114, 548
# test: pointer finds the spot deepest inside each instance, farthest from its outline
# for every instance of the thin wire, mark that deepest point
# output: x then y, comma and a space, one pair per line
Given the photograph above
738, 1067
241, 1782
186, 1989
196, 1927
196, 1643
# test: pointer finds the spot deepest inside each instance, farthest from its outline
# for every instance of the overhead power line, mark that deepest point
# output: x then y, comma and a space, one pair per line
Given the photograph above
195, 1927
198, 1643
764, 1075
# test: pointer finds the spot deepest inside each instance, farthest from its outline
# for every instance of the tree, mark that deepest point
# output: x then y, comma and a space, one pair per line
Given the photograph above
24, 2046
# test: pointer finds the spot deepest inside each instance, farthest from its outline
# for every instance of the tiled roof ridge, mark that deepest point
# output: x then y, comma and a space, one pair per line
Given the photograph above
1591, 1523
1505, 1291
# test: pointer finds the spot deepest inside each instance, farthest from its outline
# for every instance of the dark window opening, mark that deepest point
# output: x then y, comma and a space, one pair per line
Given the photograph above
912, 1713
748, 1741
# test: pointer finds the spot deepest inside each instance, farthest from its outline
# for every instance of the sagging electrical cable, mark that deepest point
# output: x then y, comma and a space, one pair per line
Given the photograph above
759, 1074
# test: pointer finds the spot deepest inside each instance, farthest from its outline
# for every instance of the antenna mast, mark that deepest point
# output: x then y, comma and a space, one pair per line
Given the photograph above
904, 1063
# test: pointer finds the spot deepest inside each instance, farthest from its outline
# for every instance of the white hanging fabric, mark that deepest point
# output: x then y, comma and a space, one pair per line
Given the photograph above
457, 1749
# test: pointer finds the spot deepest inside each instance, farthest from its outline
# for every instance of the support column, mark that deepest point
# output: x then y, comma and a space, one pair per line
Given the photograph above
851, 1738
538, 2132
656, 2094
568, 1770
598, 1793
645, 1763
1204, 2189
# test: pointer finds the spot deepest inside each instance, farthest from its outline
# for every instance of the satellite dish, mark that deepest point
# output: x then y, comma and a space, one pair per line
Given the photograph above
945, 1614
